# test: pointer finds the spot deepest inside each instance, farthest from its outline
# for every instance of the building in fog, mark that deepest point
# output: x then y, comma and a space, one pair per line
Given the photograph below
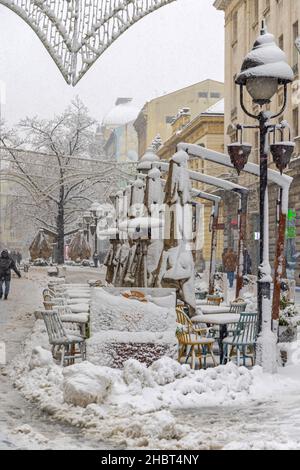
157, 115
119, 134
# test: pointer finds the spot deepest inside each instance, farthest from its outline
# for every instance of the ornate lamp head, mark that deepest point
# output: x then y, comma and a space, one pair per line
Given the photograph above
264, 69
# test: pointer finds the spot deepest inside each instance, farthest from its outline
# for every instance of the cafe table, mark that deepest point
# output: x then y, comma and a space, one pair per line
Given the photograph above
221, 320
208, 309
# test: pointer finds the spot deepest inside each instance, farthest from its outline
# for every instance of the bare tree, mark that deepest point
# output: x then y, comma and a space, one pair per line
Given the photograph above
49, 159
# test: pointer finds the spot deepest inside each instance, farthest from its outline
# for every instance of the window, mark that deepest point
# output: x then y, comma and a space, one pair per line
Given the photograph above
235, 27
255, 12
256, 146
281, 42
203, 94
169, 119
295, 51
215, 94
267, 5
280, 97
234, 92
296, 122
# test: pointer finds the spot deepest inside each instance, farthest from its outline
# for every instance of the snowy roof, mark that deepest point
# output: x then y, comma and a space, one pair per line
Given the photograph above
217, 108
122, 113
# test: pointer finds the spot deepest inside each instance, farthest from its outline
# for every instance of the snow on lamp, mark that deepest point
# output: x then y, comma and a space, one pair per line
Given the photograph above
264, 69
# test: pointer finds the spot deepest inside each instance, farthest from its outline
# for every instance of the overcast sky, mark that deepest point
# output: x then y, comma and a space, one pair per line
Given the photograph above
180, 44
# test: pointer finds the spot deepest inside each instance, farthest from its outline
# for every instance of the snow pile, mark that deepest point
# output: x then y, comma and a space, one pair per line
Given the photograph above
251, 302
84, 384
40, 357
138, 406
263, 445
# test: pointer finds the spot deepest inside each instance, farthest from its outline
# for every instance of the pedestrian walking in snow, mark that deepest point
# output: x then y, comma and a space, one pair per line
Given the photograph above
96, 259
230, 260
6, 265
19, 258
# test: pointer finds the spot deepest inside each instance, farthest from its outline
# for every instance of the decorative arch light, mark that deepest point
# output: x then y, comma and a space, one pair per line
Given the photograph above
77, 32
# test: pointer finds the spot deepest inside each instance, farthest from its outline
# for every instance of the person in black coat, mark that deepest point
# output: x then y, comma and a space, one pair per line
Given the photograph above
6, 265
247, 263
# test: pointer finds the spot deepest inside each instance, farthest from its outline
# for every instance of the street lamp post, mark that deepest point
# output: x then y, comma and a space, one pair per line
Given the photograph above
264, 69
87, 218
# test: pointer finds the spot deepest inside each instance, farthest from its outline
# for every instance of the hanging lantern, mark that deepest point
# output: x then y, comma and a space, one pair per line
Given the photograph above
282, 152
239, 152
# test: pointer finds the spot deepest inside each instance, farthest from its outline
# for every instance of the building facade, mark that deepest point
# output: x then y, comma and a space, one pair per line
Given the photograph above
242, 26
157, 115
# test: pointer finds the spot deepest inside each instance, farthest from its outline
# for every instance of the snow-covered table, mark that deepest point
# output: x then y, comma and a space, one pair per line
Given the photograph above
222, 321
125, 327
208, 309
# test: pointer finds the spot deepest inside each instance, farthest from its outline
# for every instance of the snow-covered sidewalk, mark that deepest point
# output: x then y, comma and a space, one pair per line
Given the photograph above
22, 424
165, 406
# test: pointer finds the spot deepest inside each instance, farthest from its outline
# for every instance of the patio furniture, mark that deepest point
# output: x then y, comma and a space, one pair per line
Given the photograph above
224, 321
60, 339
243, 340
191, 343
79, 319
214, 299
238, 306
212, 309
75, 323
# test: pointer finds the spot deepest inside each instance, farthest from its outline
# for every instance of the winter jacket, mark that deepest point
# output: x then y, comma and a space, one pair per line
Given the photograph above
247, 263
230, 260
6, 265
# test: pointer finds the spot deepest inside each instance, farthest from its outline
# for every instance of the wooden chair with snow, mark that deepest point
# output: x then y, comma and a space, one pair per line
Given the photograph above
71, 346
192, 342
214, 300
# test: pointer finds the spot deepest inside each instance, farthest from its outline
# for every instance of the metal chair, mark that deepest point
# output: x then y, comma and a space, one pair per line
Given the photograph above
237, 307
63, 340
242, 340
191, 343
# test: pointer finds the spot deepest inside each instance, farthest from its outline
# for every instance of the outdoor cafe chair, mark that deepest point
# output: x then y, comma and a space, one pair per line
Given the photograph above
238, 306
242, 341
191, 343
61, 340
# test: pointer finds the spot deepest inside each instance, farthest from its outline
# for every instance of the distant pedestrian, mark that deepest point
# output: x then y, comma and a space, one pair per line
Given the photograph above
13, 256
223, 256
96, 259
6, 265
247, 269
19, 258
230, 260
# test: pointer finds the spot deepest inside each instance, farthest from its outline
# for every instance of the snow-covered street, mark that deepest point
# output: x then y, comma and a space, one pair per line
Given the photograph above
228, 408
149, 227
22, 424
